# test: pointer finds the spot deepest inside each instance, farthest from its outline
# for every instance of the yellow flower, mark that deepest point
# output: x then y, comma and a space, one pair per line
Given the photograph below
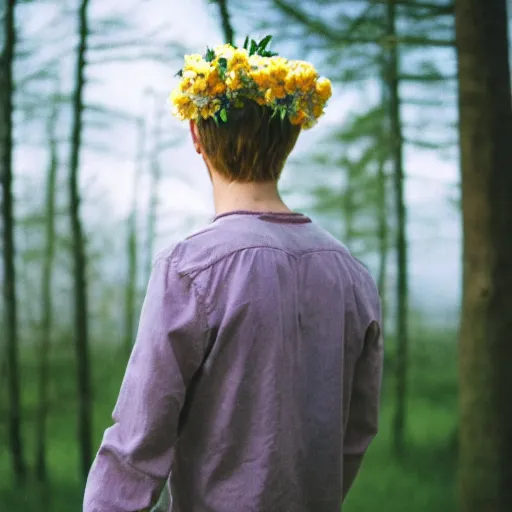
225, 50
261, 77
200, 85
290, 84
265, 80
192, 59
189, 75
239, 60
278, 63
278, 72
279, 91
318, 110
301, 77
298, 118
323, 89
269, 96
183, 106
197, 66
216, 86
210, 110
257, 61
234, 81
177, 98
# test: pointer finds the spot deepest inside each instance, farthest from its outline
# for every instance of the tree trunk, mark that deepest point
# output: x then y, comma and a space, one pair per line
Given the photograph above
47, 316
485, 442
382, 142
9, 270
383, 229
399, 421
227, 27
131, 278
79, 257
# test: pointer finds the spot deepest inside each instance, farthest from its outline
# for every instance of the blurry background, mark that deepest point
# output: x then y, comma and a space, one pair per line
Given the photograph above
104, 178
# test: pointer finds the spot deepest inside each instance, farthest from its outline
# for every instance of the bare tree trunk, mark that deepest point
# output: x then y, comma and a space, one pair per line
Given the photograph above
383, 229
392, 79
131, 278
79, 257
227, 27
47, 316
485, 442
9, 271
155, 185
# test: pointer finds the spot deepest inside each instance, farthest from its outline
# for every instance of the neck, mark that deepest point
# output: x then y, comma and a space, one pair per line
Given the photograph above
258, 197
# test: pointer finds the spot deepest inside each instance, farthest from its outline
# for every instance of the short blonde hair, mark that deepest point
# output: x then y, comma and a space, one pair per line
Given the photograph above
252, 146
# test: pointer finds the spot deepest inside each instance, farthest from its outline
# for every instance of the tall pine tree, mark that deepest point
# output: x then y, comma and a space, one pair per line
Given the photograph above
485, 470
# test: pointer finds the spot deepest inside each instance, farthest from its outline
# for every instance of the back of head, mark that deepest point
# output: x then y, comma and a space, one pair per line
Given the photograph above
249, 106
251, 146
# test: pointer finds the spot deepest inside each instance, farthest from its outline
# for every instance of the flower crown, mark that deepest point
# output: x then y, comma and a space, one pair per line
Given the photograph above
213, 84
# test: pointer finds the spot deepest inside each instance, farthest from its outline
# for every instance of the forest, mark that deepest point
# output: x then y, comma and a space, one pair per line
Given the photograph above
411, 169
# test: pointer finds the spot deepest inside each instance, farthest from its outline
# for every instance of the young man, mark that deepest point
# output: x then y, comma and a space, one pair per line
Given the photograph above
255, 378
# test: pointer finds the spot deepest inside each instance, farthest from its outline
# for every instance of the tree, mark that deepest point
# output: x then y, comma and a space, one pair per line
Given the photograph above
9, 270
383, 158
485, 471
391, 81
227, 27
47, 296
79, 255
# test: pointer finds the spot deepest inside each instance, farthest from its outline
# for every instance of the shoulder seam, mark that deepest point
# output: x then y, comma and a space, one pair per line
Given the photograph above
201, 268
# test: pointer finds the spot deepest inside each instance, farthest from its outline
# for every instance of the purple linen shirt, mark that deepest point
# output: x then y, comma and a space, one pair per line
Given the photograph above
256, 369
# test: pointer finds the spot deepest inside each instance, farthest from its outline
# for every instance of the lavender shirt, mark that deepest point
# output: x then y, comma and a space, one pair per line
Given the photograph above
257, 367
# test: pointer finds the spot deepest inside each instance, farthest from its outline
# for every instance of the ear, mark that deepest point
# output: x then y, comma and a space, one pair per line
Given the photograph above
195, 136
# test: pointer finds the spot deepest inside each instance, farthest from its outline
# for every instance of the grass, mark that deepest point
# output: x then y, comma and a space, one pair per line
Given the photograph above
421, 480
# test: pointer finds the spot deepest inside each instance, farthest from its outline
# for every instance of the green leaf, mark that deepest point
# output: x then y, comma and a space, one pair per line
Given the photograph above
210, 55
252, 51
264, 43
223, 67
283, 114
179, 73
224, 115
246, 43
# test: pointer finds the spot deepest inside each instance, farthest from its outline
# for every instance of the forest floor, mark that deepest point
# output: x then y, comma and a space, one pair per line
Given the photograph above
422, 480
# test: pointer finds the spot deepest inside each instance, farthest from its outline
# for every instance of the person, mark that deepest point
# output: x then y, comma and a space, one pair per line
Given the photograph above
254, 382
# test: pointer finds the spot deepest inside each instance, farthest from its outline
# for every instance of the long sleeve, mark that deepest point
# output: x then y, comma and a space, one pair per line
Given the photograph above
363, 416
135, 456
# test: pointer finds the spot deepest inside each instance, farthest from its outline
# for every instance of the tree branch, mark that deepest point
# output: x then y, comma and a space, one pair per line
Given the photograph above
227, 27
343, 38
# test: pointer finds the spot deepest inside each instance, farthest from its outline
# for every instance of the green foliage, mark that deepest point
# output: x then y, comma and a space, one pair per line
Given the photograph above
255, 48
223, 67
423, 481
209, 55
